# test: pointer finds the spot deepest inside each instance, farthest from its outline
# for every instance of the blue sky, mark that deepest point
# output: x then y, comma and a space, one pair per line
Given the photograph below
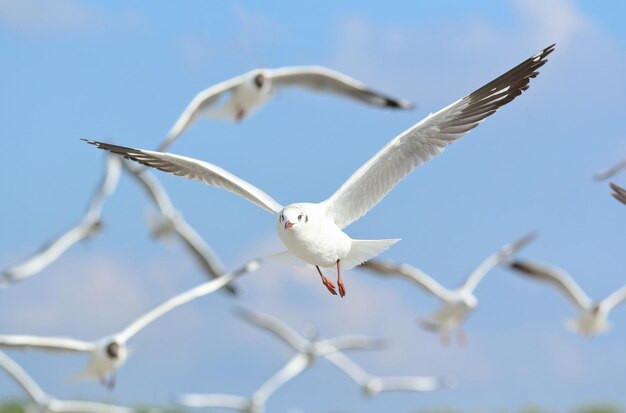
124, 72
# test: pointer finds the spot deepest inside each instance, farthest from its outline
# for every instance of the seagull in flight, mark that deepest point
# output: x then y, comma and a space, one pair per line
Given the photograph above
108, 354
593, 315
370, 384
173, 222
307, 352
313, 232
458, 303
47, 403
251, 90
619, 193
88, 227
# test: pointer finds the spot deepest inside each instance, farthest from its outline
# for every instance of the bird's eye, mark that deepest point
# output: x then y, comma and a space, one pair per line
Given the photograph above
282, 218
300, 217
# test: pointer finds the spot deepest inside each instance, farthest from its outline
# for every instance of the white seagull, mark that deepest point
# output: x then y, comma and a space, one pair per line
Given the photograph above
458, 303
593, 316
249, 91
109, 353
89, 226
306, 353
173, 222
619, 193
45, 402
313, 232
328, 349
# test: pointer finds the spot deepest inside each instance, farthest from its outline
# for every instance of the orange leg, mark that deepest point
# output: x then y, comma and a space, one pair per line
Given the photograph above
240, 115
327, 283
342, 288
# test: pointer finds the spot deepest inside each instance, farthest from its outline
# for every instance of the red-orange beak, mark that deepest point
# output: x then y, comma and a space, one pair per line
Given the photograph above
288, 225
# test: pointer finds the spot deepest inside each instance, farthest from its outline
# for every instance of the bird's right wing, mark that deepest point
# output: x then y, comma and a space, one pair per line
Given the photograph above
201, 102
185, 297
619, 193
23, 379
197, 170
556, 277
274, 326
55, 344
414, 274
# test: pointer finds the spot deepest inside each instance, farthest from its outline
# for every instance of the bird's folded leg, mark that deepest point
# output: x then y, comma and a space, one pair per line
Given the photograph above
342, 288
327, 283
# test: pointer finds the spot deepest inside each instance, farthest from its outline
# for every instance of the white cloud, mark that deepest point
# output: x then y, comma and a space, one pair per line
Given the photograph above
41, 16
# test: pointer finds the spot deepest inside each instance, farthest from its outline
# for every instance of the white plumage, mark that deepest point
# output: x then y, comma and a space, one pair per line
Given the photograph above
313, 231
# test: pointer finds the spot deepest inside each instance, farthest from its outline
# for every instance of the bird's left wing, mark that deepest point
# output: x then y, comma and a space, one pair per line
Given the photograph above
183, 298
496, 258
614, 299
274, 326
322, 79
197, 170
619, 193
296, 365
112, 173
425, 140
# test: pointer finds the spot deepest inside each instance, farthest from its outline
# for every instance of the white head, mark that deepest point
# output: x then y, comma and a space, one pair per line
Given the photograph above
590, 322
292, 218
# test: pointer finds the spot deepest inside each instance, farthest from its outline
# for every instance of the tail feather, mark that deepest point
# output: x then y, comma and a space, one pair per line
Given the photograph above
365, 249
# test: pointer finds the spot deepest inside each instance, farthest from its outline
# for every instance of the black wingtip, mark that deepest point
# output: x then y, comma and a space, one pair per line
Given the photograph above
399, 104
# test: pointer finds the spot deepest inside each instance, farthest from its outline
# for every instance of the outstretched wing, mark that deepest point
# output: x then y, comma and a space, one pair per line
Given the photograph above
607, 173
183, 298
322, 79
414, 274
57, 344
619, 193
556, 277
197, 170
23, 379
425, 140
201, 102
274, 326
496, 258
614, 299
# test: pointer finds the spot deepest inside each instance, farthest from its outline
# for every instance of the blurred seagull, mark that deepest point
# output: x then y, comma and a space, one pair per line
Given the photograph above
593, 317
613, 170
330, 349
313, 232
456, 304
47, 403
306, 353
111, 352
372, 385
251, 90
89, 226
619, 193
173, 222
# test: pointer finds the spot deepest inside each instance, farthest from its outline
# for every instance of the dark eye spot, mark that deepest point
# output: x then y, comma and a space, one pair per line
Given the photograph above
259, 80
282, 218
300, 217
306, 218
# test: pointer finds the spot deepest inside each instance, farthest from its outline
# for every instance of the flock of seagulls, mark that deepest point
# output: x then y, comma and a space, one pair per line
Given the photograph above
312, 233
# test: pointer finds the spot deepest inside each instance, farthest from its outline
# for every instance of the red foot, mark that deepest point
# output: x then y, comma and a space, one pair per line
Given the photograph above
342, 288
330, 286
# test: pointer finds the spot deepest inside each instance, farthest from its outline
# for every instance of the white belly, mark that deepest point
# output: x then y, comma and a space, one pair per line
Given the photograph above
322, 248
